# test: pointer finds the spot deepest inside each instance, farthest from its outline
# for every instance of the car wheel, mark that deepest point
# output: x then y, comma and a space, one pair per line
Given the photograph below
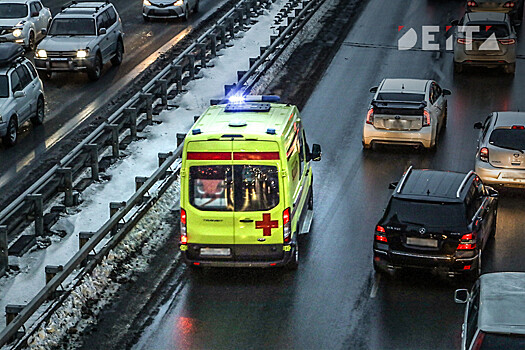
186, 14
117, 59
94, 73
294, 263
44, 75
311, 198
31, 44
458, 67
196, 8
145, 18
510, 68
445, 117
38, 119
367, 146
12, 129
493, 227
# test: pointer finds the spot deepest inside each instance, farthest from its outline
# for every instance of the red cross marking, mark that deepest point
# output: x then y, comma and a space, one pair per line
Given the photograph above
267, 224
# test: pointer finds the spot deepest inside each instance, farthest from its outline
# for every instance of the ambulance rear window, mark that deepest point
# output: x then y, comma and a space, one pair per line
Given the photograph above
238, 187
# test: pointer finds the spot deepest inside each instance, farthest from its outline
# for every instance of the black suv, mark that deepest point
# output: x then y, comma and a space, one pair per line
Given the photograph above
436, 220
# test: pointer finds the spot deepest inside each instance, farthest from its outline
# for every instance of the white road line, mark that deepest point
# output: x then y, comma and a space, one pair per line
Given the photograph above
375, 286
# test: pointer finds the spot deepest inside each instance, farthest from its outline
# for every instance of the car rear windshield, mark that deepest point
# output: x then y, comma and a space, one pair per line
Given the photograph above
394, 96
437, 214
4, 87
13, 10
493, 341
234, 187
508, 138
485, 30
72, 26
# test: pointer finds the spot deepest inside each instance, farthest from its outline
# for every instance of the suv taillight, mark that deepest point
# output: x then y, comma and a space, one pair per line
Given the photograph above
380, 234
287, 226
479, 341
370, 116
183, 233
507, 41
484, 154
472, 4
426, 118
467, 242
509, 4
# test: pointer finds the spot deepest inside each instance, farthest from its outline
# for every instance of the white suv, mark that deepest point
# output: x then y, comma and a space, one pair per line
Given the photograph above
21, 92
82, 38
22, 22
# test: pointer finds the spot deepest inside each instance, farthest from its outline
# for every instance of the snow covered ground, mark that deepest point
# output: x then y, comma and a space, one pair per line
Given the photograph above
22, 286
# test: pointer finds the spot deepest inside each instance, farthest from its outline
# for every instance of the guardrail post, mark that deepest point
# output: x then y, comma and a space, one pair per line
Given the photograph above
222, 35
180, 139
139, 182
163, 84
114, 207
131, 115
213, 44
38, 203
230, 26
201, 56
52, 270
147, 99
162, 158
11, 311
178, 77
93, 151
191, 58
67, 176
83, 238
4, 256
113, 128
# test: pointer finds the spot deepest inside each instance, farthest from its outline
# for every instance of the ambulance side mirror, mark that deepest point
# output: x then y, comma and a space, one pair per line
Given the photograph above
316, 152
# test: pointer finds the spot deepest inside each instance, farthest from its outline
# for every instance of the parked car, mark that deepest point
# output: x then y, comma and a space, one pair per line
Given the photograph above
21, 92
495, 313
500, 158
407, 112
491, 44
22, 22
169, 9
82, 38
436, 220
513, 7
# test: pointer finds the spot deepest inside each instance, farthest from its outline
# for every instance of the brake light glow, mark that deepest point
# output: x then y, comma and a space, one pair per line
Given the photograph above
256, 156
464, 41
287, 226
507, 41
380, 234
467, 242
370, 116
518, 127
484, 154
426, 118
472, 4
381, 238
380, 229
509, 4
209, 156
467, 267
183, 232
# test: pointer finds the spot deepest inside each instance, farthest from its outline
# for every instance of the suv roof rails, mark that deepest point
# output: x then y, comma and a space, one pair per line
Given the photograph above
75, 2
405, 175
10, 53
463, 183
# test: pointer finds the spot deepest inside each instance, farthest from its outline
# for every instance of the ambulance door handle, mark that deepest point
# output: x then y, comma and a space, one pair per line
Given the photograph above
246, 220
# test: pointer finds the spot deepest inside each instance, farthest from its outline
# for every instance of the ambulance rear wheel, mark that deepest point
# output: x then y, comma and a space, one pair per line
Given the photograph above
311, 198
294, 263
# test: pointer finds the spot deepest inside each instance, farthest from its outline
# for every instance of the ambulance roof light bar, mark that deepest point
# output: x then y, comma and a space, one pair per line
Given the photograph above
253, 98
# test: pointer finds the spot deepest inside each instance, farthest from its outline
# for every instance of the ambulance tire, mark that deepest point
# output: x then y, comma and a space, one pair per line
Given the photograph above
311, 197
294, 263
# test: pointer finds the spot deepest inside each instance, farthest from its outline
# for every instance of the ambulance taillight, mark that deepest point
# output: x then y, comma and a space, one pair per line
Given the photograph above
287, 226
183, 233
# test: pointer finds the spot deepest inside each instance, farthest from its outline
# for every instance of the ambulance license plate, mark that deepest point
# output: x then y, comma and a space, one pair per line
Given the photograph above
215, 251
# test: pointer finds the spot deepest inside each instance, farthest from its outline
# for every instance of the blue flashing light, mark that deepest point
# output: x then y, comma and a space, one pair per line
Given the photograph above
196, 131
270, 131
238, 99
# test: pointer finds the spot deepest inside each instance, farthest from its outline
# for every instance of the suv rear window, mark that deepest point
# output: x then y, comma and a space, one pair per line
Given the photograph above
438, 214
72, 26
13, 10
234, 187
487, 29
393, 96
508, 138
4, 86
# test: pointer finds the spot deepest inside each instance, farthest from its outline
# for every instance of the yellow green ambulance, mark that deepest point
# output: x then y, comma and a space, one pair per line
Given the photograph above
246, 185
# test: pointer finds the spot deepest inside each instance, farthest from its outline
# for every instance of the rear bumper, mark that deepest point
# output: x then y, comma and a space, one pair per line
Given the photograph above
450, 265
489, 61
274, 255
500, 176
64, 65
371, 135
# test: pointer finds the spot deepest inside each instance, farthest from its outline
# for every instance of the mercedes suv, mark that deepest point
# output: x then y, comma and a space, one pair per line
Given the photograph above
82, 38
436, 220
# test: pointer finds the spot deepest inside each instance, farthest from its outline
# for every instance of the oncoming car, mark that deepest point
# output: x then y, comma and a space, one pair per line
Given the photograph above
246, 185
500, 158
169, 9
406, 112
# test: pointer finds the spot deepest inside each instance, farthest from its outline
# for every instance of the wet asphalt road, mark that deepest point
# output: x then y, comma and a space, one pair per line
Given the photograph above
334, 300
72, 98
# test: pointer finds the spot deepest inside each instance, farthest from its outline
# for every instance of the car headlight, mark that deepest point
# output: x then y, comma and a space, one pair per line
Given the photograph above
17, 32
41, 54
147, 3
82, 53
178, 3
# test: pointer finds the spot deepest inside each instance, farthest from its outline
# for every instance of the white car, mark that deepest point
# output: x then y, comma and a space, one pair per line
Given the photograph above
406, 112
22, 22
169, 8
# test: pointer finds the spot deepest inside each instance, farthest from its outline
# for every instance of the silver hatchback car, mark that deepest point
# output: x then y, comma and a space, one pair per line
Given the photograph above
21, 92
485, 39
500, 157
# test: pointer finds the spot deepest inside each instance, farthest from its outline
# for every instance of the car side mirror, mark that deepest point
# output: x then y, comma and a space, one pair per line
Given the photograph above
461, 296
316, 153
393, 185
19, 94
478, 125
374, 89
492, 192
102, 31
35, 14
454, 22
447, 92
44, 31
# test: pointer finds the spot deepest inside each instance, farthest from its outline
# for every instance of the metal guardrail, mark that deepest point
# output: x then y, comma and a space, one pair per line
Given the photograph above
163, 173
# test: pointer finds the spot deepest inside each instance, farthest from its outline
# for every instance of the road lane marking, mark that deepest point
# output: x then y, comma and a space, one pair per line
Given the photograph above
375, 286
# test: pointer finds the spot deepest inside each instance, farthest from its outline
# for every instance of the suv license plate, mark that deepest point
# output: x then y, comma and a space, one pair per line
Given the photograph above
215, 251
423, 242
